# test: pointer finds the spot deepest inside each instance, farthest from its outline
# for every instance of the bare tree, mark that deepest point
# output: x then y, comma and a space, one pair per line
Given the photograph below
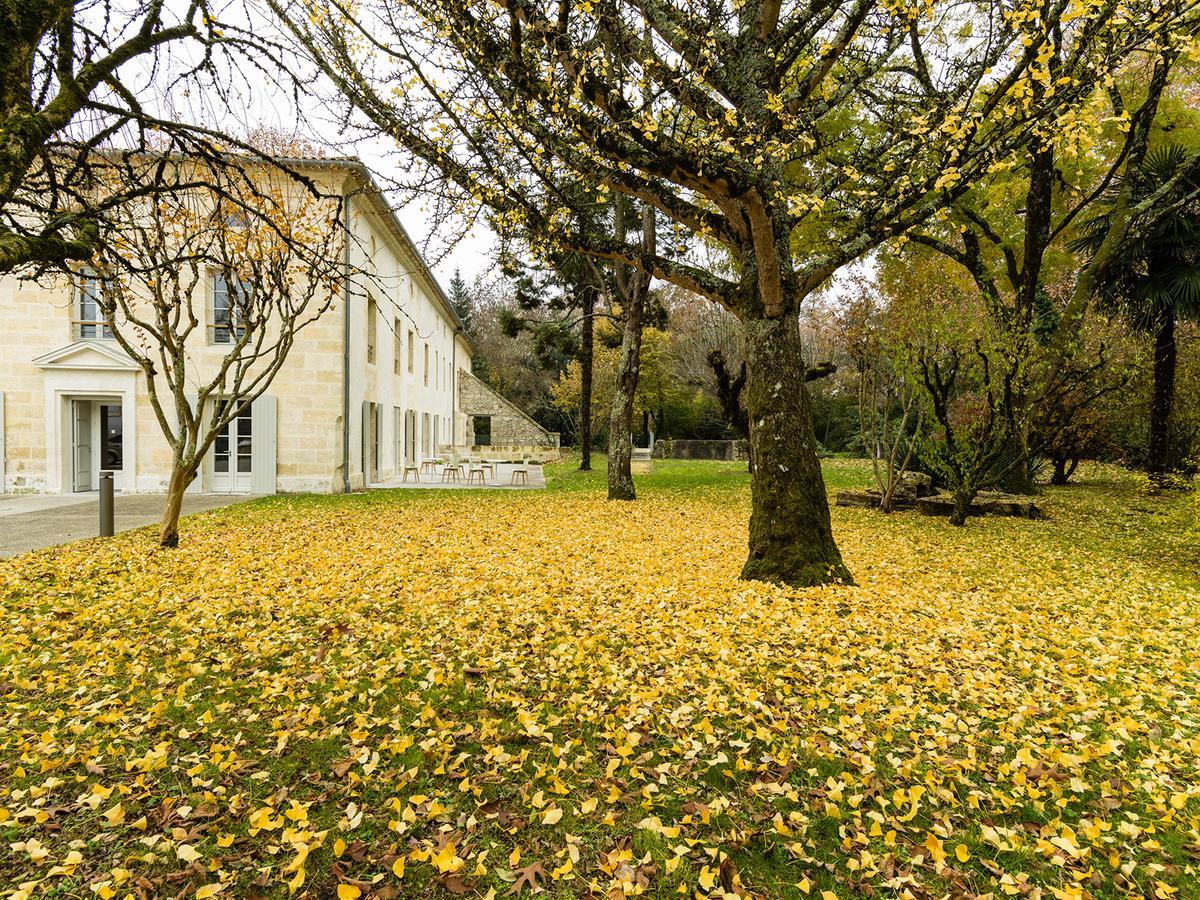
272, 273
83, 91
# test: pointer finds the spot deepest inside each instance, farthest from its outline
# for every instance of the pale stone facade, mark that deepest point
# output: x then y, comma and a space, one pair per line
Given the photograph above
72, 404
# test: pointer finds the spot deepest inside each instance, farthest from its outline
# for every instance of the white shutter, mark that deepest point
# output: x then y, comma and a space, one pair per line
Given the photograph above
365, 431
264, 449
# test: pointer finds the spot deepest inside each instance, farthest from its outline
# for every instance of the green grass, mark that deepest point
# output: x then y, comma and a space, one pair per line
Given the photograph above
411, 631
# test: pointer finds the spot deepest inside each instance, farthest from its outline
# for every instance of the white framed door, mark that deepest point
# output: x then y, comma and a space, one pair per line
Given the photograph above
81, 445
233, 456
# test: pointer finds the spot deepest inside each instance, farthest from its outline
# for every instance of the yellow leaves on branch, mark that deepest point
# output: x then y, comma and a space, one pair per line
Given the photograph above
505, 693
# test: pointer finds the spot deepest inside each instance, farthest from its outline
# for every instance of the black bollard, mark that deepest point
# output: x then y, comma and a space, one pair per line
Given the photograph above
106, 504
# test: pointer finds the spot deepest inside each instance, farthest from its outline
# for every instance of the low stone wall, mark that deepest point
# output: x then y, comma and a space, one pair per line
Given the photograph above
506, 452
694, 449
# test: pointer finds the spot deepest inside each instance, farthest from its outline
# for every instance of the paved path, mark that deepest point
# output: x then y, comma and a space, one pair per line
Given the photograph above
32, 521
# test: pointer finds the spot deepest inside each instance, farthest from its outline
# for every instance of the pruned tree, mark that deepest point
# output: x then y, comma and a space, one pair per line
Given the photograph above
794, 137
84, 89
271, 274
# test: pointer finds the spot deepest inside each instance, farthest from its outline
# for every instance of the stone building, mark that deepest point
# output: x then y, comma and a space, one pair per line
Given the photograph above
496, 427
373, 383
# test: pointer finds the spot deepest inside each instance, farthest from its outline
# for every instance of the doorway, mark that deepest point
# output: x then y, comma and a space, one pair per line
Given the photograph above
233, 459
97, 443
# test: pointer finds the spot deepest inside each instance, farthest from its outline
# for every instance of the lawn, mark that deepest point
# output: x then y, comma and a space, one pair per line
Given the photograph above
422, 693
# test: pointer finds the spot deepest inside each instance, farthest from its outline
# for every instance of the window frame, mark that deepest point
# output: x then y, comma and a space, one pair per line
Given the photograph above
230, 329
99, 326
372, 330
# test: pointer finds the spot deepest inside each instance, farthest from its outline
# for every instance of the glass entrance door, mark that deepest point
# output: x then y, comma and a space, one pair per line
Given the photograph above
233, 456
112, 441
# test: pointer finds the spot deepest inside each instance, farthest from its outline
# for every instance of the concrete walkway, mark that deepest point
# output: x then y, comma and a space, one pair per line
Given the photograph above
32, 521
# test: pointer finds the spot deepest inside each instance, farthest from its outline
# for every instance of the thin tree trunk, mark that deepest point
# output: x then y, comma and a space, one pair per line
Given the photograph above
1159, 450
168, 529
620, 432
585, 378
791, 539
1060, 476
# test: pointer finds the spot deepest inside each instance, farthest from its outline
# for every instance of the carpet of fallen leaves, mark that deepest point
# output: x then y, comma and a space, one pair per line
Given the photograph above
422, 694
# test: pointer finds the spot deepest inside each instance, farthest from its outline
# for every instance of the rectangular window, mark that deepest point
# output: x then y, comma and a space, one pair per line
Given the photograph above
437, 370
410, 351
427, 364
231, 298
89, 318
396, 347
372, 315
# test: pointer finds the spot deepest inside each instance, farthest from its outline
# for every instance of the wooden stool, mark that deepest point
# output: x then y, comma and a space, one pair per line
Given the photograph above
472, 472
429, 466
451, 473
416, 474
520, 476
491, 469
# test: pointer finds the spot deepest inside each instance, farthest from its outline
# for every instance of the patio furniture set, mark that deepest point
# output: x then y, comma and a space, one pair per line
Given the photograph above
470, 471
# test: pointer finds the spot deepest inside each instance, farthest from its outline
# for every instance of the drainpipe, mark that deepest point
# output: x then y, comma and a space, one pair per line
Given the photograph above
346, 350
453, 383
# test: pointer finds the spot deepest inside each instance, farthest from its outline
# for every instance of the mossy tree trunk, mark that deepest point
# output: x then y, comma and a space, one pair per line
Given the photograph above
620, 432
791, 539
586, 355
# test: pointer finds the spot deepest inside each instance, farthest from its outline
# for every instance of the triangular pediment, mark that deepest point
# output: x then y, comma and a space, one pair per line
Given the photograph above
87, 355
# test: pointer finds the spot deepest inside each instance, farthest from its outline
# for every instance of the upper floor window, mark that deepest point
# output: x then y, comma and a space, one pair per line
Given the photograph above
89, 317
372, 316
426, 364
396, 346
410, 351
230, 300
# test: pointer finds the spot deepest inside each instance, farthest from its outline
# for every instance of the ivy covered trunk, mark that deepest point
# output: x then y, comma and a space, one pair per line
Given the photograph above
620, 432
586, 355
1159, 449
791, 540
168, 529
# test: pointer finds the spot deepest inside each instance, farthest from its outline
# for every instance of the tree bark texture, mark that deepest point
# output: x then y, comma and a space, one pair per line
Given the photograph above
620, 432
168, 530
791, 538
586, 354
1158, 456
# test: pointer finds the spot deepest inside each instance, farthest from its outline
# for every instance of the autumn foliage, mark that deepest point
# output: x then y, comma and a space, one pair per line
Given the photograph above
418, 695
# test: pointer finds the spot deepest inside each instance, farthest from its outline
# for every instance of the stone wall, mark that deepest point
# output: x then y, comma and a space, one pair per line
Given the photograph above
680, 449
510, 426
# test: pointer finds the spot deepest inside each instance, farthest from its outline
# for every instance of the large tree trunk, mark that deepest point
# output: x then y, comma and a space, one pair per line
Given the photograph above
620, 432
168, 529
585, 382
791, 540
1159, 450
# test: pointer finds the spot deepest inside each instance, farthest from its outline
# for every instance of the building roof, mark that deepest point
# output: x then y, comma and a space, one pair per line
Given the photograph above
358, 170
